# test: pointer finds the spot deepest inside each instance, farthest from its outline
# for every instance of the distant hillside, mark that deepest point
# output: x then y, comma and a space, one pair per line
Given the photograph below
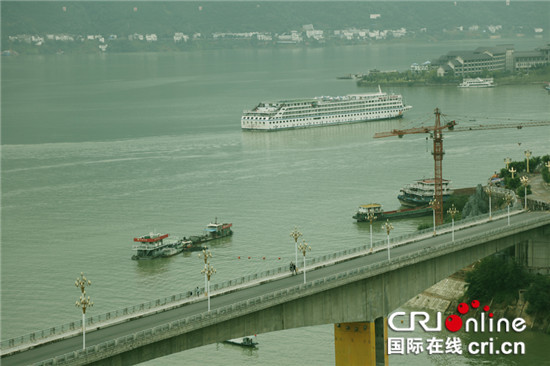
165, 18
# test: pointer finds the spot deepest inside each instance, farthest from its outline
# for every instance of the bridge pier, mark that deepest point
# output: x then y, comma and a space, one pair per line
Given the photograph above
534, 253
361, 343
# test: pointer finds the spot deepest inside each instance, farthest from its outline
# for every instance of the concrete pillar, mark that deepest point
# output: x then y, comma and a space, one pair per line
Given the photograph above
534, 253
521, 250
381, 330
361, 343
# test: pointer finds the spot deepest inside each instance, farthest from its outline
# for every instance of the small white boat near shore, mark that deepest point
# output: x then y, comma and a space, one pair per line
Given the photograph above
477, 83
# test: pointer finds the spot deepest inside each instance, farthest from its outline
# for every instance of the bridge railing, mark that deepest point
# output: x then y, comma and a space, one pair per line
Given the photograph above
176, 299
208, 318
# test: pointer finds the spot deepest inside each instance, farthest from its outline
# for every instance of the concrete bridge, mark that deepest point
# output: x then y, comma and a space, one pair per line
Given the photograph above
355, 291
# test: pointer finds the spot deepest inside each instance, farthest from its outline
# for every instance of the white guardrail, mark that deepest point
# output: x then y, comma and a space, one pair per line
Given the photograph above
18, 343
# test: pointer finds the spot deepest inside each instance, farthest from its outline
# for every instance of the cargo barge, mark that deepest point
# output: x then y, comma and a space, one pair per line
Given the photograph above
156, 246
376, 209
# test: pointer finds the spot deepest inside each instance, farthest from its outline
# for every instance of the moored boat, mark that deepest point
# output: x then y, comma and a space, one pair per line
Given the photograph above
155, 245
421, 192
376, 209
477, 83
244, 342
213, 231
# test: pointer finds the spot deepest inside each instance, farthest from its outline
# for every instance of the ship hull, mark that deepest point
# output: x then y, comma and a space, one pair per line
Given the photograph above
191, 244
397, 214
409, 201
313, 124
323, 111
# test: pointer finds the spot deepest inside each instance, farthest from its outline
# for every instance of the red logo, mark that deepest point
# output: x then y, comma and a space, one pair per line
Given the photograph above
454, 323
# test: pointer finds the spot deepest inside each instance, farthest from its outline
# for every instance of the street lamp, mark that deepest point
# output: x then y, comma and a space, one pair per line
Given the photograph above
208, 272
507, 161
508, 198
453, 211
205, 255
512, 170
295, 234
489, 191
388, 227
434, 204
83, 303
525, 181
304, 247
527, 155
371, 217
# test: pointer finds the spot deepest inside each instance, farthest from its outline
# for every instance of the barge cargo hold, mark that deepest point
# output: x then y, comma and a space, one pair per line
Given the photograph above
376, 209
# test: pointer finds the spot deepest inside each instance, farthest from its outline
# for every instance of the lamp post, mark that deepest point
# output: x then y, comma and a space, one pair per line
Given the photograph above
525, 181
208, 272
371, 217
452, 211
512, 170
205, 255
304, 247
507, 161
83, 302
527, 155
508, 198
489, 191
295, 234
388, 227
433, 205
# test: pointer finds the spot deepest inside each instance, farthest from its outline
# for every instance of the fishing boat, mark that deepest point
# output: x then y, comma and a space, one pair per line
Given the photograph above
421, 192
375, 209
477, 83
155, 245
323, 111
244, 342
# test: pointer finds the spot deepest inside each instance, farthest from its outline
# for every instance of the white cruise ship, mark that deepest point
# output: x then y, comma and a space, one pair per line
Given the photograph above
477, 83
323, 111
422, 191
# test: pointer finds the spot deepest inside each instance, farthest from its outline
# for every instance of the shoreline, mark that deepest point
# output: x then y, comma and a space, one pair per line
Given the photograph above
420, 84
445, 296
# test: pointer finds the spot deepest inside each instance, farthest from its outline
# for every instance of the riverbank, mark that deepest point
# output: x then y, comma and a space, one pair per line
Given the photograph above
445, 296
510, 300
537, 76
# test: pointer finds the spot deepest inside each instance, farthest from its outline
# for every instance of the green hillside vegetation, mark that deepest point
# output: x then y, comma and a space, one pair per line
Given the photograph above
499, 278
165, 18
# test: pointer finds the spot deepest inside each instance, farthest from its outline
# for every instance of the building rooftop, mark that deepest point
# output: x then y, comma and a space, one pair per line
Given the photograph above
528, 54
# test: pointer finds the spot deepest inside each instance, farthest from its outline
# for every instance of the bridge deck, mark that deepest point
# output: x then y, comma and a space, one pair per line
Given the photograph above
282, 283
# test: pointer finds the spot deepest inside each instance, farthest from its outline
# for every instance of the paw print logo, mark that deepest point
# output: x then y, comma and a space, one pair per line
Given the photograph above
454, 323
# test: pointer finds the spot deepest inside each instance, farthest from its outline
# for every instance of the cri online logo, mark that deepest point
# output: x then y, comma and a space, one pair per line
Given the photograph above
454, 323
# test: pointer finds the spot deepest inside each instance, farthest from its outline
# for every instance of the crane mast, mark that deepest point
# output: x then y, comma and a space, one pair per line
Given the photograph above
438, 168
437, 131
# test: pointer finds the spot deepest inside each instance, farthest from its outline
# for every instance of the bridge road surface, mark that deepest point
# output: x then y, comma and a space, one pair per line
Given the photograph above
51, 350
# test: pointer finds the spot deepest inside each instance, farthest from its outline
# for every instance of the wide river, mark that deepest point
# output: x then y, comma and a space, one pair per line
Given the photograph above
98, 149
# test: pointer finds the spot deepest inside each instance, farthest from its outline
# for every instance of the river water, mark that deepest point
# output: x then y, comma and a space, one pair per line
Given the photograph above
98, 149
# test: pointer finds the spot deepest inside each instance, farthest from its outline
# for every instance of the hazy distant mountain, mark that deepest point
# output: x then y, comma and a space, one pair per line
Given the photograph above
165, 18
